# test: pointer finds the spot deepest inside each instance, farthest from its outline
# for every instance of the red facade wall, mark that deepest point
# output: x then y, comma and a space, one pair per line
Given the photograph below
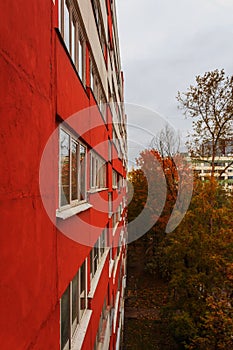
38, 85
28, 242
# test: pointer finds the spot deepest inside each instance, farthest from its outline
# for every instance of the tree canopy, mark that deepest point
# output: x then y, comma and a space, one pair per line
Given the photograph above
210, 104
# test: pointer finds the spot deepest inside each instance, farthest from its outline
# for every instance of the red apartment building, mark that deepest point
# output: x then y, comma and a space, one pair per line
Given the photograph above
61, 291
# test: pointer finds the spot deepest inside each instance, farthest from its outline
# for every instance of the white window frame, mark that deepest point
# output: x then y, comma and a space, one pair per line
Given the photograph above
98, 172
100, 247
74, 325
110, 205
75, 36
114, 179
71, 203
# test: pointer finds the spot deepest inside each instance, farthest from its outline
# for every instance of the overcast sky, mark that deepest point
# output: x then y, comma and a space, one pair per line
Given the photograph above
164, 45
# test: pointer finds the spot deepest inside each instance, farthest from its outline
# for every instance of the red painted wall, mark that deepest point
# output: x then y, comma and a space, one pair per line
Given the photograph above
38, 83
28, 270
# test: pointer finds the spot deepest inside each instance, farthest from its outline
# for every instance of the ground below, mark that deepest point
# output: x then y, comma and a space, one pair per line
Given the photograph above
144, 328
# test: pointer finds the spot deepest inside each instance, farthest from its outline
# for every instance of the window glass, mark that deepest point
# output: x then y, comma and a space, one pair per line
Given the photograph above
82, 289
96, 254
73, 41
109, 151
80, 59
74, 302
92, 171
65, 318
114, 179
66, 26
98, 172
65, 168
74, 169
82, 159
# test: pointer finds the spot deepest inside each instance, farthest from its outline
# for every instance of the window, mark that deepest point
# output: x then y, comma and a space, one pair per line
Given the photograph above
102, 105
65, 319
72, 170
119, 212
98, 171
98, 251
80, 58
73, 306
73, 35
110, 205
109, 151
91, 75
120, 182
99, 25
73, 41
114, 179
114, 219
66, 25
97, 89
102, 326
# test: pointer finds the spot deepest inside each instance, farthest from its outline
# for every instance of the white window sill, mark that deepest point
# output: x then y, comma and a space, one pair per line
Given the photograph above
95, 190
78, 338
98, 273
67, 213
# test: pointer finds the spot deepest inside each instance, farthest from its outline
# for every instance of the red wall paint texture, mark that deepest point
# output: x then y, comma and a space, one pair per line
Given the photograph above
38, 83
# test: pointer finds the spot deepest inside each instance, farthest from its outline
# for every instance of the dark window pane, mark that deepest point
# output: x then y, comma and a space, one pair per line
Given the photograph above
74, 302
93, 182
82, 289
97, 173
65, 168
65, 318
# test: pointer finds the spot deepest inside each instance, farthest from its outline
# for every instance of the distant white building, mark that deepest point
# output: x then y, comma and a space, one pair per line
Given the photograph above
223, 172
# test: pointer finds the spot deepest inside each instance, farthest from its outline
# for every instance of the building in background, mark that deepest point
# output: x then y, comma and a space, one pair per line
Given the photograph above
223, 170
59, 58
223, 165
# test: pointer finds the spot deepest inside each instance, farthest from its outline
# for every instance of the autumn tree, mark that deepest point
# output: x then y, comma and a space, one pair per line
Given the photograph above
159, 194
197, 263
166, 142
210, 104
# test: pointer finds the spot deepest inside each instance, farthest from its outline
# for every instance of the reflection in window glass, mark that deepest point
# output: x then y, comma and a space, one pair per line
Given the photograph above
82, 157
74, 153
98, 172
65, 168
72, 170
66, 26
73, 305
